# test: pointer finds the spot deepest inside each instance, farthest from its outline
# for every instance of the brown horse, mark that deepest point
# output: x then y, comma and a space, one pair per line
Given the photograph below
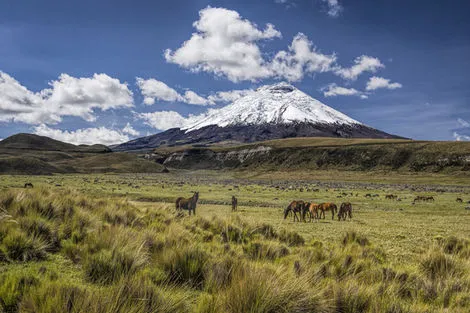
345, 210
295, 207
313, 211
188, 204
328, 206
234, 203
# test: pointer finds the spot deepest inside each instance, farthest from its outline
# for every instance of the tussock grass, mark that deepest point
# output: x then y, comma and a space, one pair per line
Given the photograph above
63, 252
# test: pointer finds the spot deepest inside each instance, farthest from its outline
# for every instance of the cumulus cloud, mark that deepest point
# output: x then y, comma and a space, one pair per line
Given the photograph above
224, 44
229, 96
227, 45
153, 89
380, 82
461, 137
128, 129
87, 136
193, 98
301, 58
67, 96
362, 64
334, 7
163, 120
333, 90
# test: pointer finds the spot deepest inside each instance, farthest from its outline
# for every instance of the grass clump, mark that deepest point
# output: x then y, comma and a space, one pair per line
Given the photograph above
185, 265
20, 247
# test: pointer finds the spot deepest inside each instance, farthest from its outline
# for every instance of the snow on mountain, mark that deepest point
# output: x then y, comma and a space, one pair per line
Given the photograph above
273, 104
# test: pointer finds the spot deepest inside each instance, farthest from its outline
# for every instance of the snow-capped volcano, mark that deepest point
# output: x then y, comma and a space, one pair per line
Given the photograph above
273, 104
271, 112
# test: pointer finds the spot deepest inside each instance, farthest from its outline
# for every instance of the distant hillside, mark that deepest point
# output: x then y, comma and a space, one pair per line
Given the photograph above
325, 153
35, 142
29, 154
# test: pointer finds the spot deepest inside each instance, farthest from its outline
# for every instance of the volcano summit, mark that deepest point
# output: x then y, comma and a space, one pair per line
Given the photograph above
271, 112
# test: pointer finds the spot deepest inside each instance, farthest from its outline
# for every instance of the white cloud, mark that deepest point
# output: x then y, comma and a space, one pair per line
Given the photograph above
227, 45
463, 123
300, 59
224, 44
333, 90
229, 96
67, 96
128, 129
193, 98
380, 82
460, 137
87, 136
334, 8
153, 89
164, 120
362, 64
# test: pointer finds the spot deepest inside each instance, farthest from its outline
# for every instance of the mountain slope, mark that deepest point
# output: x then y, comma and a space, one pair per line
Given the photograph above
274, 104
271, 112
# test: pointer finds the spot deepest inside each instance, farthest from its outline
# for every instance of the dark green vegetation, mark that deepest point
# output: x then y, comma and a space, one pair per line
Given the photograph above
113, 243
37, 155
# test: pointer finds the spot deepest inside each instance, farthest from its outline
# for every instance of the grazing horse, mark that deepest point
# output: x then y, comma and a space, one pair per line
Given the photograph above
28, 185
345, 210
313, 211
295, 207
459, 200
328, 206
234, 203
188, 204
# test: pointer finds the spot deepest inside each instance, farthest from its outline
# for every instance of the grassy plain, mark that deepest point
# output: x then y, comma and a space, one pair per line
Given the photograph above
113, 243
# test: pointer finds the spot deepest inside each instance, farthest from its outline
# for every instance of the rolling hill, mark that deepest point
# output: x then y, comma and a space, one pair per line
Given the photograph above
31, 154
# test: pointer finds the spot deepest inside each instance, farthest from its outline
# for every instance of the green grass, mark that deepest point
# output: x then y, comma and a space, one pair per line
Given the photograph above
114, 243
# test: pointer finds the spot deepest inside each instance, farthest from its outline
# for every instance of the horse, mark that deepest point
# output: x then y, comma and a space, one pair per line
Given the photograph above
295, 207
312, 210
28, 185
391, 197
234, 203
459, 200
328, 206
345, 210
188, 204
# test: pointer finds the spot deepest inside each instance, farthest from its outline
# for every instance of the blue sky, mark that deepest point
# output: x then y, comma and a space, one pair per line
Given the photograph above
98, 71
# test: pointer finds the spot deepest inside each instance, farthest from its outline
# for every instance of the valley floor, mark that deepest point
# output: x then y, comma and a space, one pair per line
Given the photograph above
88, 236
